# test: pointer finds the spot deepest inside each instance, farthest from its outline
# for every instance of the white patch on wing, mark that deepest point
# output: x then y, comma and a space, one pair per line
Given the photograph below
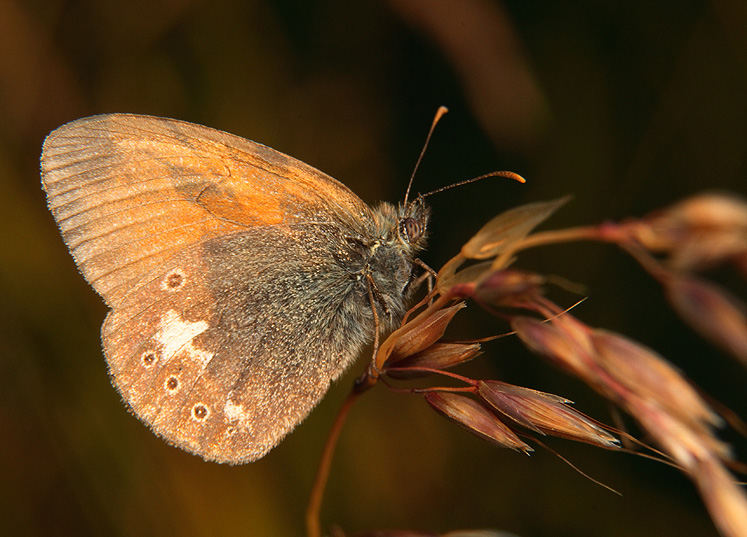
177, 335
234, 411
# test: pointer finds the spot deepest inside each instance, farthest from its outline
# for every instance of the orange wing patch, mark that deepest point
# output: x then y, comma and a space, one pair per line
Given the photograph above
130, 192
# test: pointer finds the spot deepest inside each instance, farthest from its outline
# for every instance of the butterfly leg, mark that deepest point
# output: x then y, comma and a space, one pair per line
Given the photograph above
429, 275
374, 296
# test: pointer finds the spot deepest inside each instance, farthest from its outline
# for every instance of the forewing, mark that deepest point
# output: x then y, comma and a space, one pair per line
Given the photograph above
128, 192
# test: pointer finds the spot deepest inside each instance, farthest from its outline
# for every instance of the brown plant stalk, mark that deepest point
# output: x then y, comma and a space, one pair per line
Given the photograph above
671, 245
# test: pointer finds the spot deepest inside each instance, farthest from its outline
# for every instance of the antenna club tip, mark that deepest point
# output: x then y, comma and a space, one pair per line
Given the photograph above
511, 175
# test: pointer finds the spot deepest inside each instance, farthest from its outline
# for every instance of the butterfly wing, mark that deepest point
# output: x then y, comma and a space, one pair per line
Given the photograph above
221, 261
129, 191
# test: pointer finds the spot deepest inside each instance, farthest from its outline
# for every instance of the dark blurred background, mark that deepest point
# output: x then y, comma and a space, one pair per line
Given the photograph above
629, 106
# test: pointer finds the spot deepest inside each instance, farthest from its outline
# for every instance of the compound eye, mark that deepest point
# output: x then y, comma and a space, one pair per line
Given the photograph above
411, 229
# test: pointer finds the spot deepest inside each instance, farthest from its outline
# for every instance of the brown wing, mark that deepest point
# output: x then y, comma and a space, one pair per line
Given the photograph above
129, 192
217, 256
228, 346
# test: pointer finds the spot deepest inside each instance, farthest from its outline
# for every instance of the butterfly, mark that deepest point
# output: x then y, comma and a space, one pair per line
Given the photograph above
241, 282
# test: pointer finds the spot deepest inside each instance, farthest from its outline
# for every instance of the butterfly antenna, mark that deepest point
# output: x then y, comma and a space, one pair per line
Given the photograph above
439, 114
508, 175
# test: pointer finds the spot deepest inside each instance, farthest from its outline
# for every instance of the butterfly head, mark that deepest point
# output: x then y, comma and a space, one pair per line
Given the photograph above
413, 223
